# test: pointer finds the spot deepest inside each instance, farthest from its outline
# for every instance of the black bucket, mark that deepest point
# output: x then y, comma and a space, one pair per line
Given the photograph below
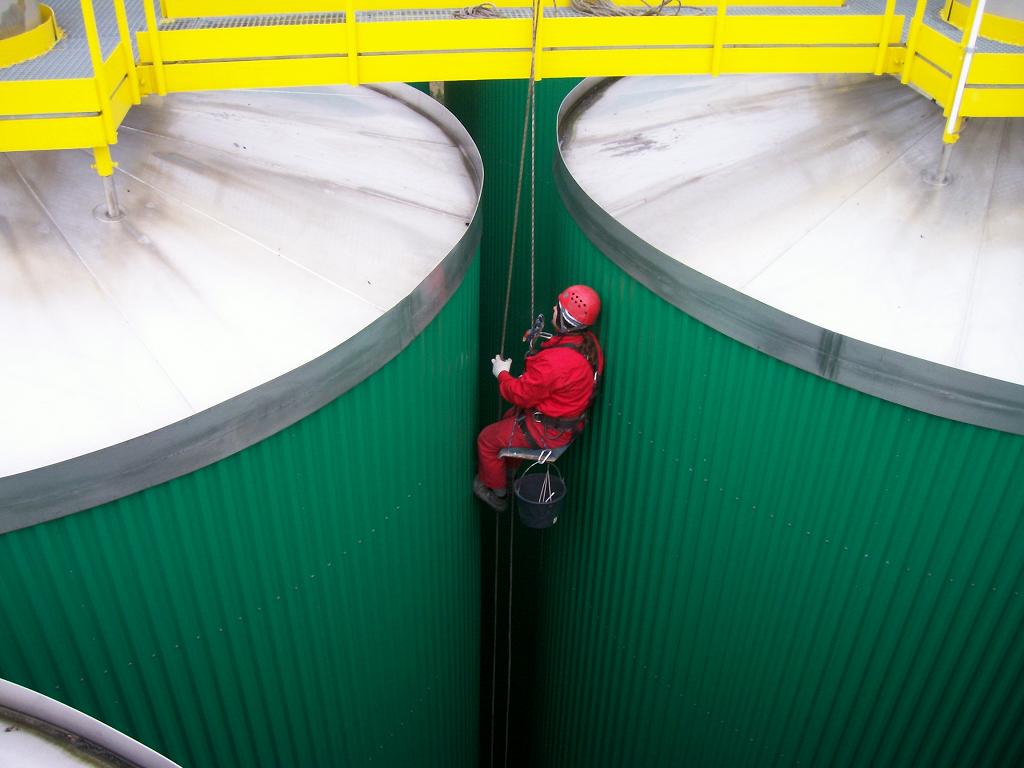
539, 498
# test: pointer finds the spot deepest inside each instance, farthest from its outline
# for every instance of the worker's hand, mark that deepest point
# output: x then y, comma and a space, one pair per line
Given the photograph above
498, 365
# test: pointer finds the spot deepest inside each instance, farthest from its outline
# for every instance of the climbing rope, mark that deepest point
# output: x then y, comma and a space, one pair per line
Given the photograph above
494, 636
508, 677
482, 11
590, 8
527, 113
608, 8
533, 186
529, 132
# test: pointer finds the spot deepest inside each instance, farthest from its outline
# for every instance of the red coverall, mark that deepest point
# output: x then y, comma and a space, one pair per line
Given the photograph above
558, 382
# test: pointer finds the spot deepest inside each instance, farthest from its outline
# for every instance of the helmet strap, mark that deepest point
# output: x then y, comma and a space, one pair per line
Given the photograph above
556, 320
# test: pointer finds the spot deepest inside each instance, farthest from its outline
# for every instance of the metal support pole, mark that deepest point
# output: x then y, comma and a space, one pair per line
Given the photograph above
110, 194
940, 177
110, 209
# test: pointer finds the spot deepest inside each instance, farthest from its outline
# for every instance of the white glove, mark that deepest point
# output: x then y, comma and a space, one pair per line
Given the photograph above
498, 365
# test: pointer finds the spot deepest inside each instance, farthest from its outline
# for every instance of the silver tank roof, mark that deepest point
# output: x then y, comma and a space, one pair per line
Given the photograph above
263, 230
39, 732
805, 194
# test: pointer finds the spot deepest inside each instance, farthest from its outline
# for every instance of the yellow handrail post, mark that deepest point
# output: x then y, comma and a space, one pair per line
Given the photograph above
967, 44
912, 36
104, 161
154, 46
719, 38
126, 48
352, 42
538, 9
99, 74
883, 45
964, 38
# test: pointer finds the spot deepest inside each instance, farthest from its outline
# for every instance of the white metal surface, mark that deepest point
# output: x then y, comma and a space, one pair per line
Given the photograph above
262, 229
39, 732
805, 193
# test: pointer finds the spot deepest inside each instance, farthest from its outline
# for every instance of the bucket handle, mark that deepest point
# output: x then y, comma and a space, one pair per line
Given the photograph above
549, 466
546, 494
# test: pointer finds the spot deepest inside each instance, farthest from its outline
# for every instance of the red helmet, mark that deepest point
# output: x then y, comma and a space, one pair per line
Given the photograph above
579, 305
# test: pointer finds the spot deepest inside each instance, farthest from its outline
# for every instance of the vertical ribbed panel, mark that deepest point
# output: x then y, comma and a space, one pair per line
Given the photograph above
310, 601
760, 567
493, 114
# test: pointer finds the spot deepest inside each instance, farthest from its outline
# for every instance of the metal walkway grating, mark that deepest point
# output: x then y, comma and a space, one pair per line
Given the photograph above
302, 19
243, 22
433, 14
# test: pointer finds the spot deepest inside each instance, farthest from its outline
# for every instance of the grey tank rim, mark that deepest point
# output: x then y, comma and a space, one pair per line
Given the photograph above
52, 716
910, 381
111, 473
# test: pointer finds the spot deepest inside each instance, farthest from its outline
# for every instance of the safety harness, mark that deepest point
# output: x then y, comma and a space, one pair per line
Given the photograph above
574, 424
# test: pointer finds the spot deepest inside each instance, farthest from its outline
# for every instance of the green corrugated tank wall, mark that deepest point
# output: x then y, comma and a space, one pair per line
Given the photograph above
761, 567
310, 601
493, 113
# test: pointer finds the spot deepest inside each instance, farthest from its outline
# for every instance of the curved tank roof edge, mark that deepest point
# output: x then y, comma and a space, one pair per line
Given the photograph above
50, 715
86, 481
910, 381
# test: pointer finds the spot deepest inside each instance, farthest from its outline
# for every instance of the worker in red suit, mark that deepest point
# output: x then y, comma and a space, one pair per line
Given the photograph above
550, 399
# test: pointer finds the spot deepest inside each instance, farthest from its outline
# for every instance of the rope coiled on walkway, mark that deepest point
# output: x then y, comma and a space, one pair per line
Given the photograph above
608, 8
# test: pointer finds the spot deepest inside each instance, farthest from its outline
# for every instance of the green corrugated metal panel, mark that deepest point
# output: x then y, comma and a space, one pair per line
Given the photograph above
311, 600
492, 112
761, 567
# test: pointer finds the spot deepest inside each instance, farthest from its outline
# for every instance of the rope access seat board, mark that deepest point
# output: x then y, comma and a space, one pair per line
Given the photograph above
115, 52
539, 455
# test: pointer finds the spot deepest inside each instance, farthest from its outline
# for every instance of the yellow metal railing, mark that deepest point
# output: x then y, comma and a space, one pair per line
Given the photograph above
174, 9
450, 49
173, 57
79, 112
993, 26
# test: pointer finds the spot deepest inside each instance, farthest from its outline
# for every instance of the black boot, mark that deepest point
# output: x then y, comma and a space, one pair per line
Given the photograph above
489, 497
